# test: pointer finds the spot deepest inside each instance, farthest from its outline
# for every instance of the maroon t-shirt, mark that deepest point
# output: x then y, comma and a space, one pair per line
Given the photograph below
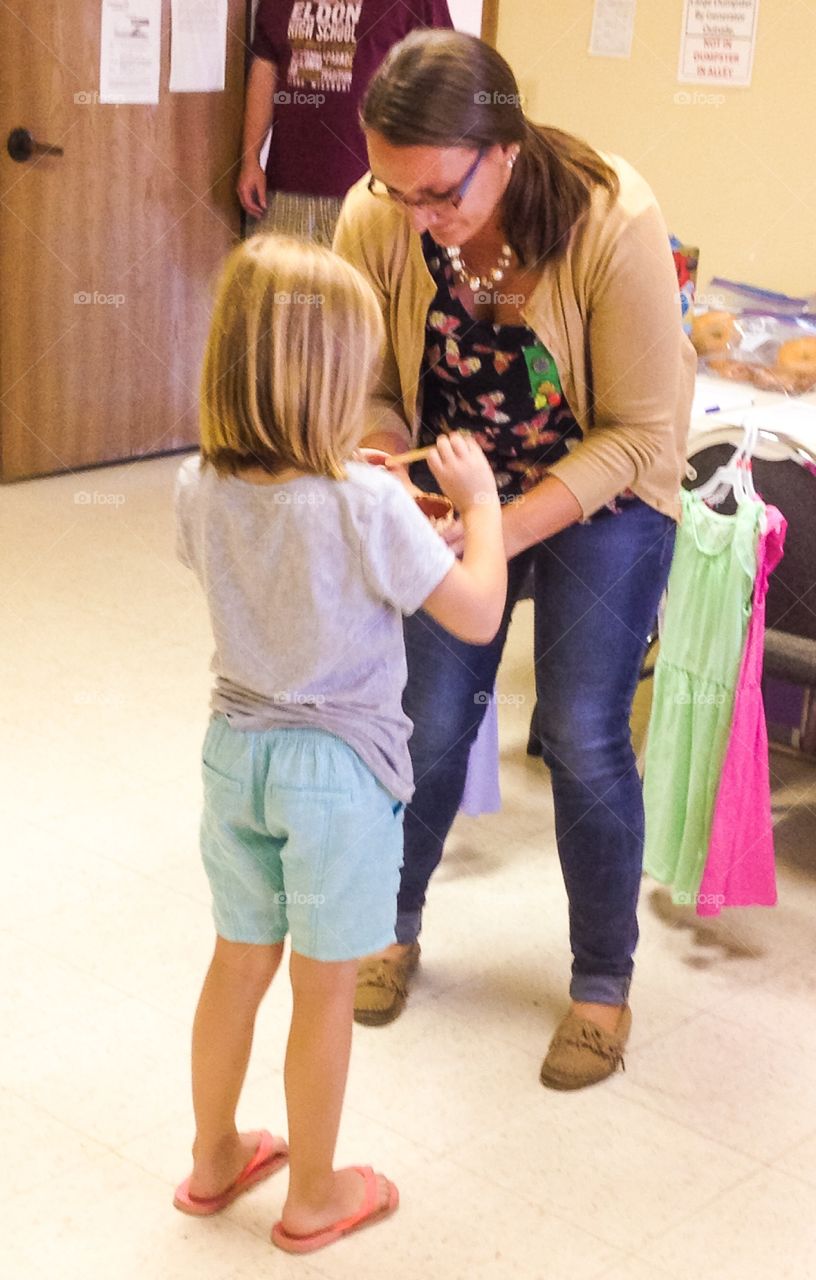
325, 55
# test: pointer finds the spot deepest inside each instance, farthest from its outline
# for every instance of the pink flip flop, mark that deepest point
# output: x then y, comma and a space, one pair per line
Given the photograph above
272, 1154
369, 1212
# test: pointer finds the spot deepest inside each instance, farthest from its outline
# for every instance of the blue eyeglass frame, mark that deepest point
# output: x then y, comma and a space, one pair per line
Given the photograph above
454, 197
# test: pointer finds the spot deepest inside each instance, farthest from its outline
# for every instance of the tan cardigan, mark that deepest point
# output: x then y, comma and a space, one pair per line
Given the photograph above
608, 311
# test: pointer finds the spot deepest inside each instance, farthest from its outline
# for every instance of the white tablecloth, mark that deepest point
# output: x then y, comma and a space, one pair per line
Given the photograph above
795, 415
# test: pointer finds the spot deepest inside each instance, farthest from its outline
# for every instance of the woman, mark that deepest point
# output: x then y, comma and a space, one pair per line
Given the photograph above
529, 294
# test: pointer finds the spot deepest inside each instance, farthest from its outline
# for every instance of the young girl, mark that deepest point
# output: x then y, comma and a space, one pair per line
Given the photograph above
308, 558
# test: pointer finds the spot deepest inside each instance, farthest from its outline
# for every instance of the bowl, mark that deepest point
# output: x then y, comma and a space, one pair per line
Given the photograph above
436, 507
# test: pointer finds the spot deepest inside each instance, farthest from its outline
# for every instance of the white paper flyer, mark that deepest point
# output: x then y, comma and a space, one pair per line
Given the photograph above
130, 51
198, 45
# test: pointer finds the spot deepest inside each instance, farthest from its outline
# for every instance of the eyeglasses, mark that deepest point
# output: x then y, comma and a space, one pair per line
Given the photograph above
444, 199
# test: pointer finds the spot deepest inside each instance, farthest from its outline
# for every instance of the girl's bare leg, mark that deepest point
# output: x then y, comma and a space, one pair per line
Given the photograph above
236, 982
317, 1059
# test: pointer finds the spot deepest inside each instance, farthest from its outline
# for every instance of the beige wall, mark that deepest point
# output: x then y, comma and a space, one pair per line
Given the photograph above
736, 177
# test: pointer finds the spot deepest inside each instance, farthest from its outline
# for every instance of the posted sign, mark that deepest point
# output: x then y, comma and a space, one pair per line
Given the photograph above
717, 44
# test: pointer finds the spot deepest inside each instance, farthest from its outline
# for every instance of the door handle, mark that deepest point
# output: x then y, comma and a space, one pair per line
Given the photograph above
22, 146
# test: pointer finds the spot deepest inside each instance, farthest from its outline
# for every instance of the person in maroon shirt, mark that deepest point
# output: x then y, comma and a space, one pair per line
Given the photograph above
312, 62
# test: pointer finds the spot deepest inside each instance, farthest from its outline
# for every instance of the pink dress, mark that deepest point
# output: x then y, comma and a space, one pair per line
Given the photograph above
739, 870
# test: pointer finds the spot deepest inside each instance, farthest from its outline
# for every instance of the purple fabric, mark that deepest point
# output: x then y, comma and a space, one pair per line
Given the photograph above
482, 794
739, 870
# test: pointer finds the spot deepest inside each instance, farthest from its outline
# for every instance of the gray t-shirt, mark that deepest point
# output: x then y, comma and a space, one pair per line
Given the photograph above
306, 582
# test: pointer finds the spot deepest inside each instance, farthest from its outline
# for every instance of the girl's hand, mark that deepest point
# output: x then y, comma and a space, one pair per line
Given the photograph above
463, 472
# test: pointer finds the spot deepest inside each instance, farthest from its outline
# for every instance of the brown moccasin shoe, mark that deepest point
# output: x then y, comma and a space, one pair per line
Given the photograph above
382, 987
582, 1053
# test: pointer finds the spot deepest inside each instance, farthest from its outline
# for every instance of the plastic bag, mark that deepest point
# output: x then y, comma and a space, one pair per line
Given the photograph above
730, 295
771, 344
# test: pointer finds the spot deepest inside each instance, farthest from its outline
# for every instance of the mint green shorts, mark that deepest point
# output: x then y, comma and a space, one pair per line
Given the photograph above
299, 837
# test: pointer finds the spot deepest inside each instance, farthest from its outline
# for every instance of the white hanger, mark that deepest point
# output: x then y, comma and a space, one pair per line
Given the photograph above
735, 475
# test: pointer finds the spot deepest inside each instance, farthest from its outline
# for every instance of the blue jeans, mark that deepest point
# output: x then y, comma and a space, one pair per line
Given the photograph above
597, 588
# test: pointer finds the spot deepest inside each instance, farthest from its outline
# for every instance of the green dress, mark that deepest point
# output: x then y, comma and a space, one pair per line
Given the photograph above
701, 643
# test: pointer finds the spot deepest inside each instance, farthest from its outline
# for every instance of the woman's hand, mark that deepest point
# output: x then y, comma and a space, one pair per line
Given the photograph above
454, 535
379, 458
251, 188
543, 511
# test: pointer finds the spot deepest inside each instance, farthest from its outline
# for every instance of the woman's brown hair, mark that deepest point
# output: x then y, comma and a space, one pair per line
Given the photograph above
449, 89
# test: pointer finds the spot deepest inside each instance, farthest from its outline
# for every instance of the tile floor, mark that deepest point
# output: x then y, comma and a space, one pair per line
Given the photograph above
699, 1161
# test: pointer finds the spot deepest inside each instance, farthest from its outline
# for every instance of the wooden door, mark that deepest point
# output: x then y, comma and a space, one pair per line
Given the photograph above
108, 251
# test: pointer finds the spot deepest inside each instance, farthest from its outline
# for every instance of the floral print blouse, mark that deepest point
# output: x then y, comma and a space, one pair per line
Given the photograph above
497, 381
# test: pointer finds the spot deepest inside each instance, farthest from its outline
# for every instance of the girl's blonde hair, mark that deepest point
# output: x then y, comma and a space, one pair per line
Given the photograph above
294, 347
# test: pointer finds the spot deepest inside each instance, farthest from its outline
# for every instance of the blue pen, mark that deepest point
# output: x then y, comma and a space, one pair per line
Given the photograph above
716, 408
